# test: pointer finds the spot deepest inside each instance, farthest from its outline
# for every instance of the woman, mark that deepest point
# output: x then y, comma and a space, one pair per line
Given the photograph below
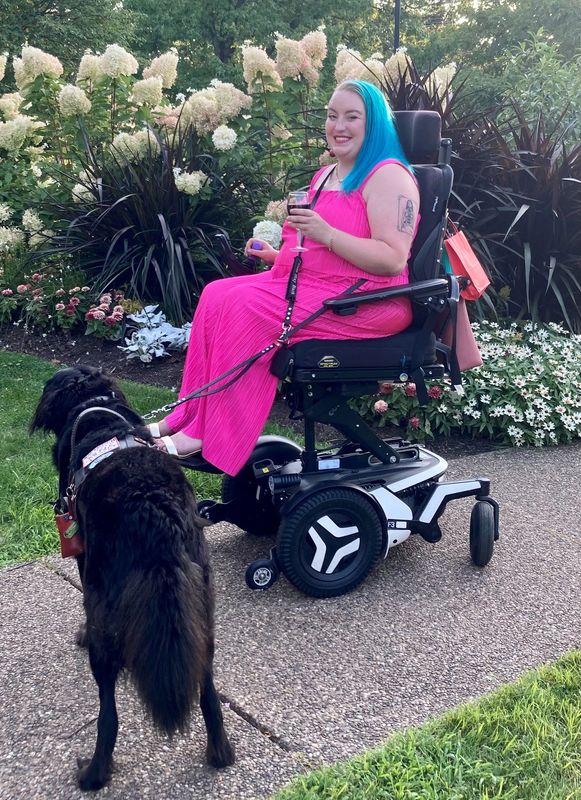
362, 227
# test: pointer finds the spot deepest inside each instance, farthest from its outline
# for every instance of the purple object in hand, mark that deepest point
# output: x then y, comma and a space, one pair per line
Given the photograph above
256, 246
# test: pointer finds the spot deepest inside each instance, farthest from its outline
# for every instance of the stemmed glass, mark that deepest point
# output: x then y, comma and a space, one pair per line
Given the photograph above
299, 199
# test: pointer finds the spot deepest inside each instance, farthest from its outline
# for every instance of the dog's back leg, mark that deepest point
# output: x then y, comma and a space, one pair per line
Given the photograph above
93, 774
219, 752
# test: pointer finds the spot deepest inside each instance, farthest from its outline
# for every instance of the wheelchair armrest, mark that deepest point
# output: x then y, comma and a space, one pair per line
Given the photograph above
418, 292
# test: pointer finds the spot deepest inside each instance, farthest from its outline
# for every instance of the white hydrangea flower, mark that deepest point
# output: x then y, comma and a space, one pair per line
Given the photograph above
82, 194
73, 101
276, 210
315, 46
270, 231
289, 57
189, 182
10, 104
257, 65
34, 62
349, 65
397, 67
280, 132
90, 68
148, 92
14, 133
117, 61
31, 222
10, 238
129, 148
224, 138
36, 170
5, 212
165, 67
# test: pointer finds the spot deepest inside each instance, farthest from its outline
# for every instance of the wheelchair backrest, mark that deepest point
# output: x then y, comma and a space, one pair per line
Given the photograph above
420, 133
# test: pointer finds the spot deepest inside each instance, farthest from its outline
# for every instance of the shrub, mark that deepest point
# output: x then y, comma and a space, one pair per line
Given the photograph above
528, 391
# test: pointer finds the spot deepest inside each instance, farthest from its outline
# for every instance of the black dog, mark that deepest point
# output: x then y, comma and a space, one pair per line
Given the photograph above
147, 584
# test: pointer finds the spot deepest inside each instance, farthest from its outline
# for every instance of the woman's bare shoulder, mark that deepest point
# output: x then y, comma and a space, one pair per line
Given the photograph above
391, 177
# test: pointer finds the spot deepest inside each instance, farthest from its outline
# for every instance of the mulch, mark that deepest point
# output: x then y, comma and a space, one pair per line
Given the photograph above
58, 347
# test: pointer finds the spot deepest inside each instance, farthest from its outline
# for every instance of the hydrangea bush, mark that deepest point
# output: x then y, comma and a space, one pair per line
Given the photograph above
527, 392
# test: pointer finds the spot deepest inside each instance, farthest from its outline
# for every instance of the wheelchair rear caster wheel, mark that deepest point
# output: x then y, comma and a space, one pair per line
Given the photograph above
330, 542
481, 533
261, 574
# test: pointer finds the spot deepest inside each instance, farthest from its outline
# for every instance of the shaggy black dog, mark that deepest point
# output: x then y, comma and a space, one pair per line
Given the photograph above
147, 584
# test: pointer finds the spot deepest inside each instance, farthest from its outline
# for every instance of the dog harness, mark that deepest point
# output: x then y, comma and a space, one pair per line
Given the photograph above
71, 542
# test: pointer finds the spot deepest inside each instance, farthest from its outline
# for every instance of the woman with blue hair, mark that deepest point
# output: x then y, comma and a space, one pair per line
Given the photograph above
362, 227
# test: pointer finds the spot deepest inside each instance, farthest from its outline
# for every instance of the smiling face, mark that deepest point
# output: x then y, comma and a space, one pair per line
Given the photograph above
345, 125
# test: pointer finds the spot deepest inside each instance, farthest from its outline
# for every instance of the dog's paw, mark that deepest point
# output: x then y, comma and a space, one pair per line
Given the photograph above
90, 776
81, 638
221, 756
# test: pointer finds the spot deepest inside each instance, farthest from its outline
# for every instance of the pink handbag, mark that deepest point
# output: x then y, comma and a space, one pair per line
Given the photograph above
465, 263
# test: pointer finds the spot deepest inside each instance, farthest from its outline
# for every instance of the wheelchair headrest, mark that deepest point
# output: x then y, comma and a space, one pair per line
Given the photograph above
420, 133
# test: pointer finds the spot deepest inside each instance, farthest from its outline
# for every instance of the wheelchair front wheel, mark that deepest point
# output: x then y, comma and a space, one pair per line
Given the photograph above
330, 542
481, 533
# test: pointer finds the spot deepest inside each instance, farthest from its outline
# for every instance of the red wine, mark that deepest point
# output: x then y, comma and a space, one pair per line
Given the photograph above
296, 205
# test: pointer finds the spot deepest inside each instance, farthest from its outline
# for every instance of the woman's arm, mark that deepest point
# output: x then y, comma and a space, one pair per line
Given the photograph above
393, 202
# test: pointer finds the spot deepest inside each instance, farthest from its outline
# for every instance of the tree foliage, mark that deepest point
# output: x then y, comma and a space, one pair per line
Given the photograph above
64, 28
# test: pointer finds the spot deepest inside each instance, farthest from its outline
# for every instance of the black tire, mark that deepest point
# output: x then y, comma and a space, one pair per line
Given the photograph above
261, 574
306, 561
481, 533
256, 516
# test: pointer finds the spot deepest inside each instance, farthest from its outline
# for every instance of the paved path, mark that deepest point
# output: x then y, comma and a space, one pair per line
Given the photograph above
310, 681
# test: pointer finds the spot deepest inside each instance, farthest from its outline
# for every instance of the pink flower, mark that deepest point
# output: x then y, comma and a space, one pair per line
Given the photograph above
94, 313
59, 306
75, 290
415, 423
117, 317
74, 301
70, 311
105, 298
37, 277
7, 292
60, 292
36, 293
111, 321
119, 310
386, 388
85, 288
410, 389
22, 288
380, 407
104, 306
435, 392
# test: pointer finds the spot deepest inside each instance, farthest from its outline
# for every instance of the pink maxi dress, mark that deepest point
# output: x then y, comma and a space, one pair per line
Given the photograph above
236, 317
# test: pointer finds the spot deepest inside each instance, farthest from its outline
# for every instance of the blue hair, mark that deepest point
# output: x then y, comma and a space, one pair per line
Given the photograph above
381, 140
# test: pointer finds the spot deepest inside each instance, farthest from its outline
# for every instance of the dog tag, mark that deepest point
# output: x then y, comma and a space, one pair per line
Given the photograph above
70, 538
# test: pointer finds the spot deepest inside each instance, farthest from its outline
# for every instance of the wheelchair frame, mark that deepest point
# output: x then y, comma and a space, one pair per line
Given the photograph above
336, 512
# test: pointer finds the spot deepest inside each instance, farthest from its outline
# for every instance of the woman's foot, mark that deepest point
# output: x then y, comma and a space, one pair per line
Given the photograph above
179, 445
159, 429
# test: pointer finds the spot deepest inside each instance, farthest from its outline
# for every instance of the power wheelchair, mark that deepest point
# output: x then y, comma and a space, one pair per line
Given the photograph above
335, 512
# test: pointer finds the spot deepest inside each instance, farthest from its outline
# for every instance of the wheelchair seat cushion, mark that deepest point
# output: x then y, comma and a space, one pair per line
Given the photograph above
386, 353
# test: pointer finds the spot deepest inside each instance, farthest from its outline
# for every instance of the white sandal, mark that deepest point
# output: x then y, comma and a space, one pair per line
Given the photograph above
170, 448
154, 430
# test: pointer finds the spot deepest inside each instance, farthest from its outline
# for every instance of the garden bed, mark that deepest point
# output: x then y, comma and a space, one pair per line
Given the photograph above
60, 348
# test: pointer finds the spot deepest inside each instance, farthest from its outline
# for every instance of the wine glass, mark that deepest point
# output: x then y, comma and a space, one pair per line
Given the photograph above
299, 199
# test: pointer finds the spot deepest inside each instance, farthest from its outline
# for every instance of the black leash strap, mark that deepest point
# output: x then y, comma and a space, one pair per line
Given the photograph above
287, 331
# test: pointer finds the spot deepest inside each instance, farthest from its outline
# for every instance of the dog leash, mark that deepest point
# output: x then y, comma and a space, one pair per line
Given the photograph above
287, 331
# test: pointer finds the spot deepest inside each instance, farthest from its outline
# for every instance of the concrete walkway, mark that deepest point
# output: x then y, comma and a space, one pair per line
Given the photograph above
309, 681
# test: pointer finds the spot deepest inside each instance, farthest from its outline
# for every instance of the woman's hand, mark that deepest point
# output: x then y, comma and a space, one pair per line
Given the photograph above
267, 252
311, 224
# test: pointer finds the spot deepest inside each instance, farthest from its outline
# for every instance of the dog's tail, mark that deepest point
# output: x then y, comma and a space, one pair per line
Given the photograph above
165, 630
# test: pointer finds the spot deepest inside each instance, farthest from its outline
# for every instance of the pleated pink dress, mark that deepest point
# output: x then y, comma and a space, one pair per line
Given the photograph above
236, 317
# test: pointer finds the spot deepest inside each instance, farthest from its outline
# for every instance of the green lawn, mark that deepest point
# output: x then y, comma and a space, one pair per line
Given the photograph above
522, 742
27, 478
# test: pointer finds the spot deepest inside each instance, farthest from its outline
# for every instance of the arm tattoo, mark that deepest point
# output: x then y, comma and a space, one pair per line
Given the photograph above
405, 215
